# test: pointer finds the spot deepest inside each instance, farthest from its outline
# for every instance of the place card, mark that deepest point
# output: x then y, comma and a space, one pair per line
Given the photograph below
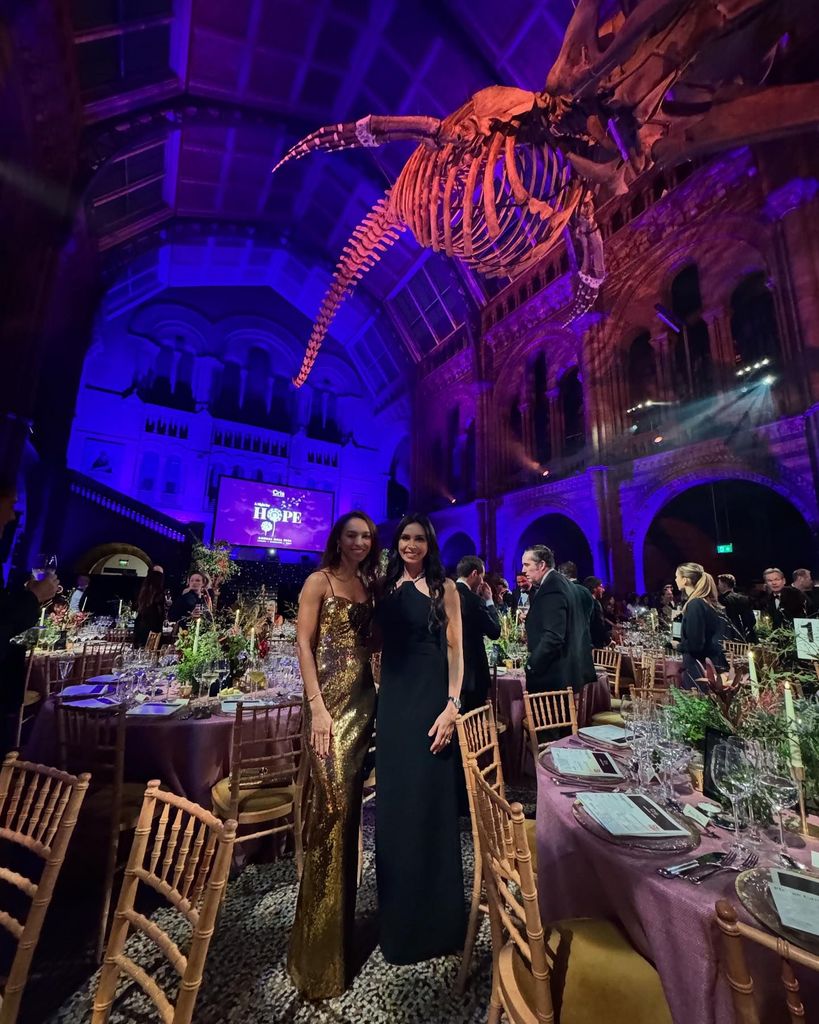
701, 819
588, 763
630, 814
796, 898
814, 858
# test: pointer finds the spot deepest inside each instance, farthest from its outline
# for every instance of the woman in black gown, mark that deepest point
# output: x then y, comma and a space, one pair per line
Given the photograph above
418, 851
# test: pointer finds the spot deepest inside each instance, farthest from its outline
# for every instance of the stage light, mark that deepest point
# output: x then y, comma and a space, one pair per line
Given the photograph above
658, 439
545, 472
452, 501
768, 379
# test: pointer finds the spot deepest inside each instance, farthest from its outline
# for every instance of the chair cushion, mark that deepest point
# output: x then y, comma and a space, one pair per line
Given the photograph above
31, 697
608, 718
253, 801
529, 825
596, 976
616, 703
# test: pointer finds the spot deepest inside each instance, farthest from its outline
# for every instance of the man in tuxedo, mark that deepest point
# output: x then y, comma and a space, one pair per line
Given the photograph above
803, 581
479, 618
522, 594
569, 570
738, 610
556, 628
598, 627
784, 603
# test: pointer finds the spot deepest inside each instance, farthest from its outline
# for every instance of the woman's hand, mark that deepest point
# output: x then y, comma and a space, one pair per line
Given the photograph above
442, 728
321, 728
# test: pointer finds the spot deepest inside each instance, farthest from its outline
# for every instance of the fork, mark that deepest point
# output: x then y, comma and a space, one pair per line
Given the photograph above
750, 861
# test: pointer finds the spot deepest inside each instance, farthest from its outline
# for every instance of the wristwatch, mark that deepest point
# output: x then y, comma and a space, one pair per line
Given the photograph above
456, 701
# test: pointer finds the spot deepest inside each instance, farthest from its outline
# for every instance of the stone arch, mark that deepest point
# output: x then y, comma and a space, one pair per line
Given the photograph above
650, 507
455, 547
563, 534
100, 554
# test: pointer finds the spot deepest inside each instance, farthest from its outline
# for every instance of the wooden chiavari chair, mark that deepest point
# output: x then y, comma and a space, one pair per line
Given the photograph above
39, 807
182, 853
545, 712
265, 785
736, 651
101, 657
478, 741
740, 980
75, 673
153, 642
31, 700
608, 660
658, 696
597, 977
95, 738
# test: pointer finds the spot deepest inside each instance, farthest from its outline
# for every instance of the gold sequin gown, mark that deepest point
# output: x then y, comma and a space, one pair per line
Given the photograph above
319, 955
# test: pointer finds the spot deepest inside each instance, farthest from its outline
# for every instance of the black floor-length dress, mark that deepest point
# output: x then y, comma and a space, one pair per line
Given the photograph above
421, 904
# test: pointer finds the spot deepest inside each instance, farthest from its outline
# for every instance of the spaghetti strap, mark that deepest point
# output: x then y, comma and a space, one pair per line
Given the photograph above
330, 581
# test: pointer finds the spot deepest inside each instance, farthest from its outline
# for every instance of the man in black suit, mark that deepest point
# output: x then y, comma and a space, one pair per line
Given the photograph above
569, 570
479, 618
600, 629
738, 611
803, 582
784, 603
556, 628
522, 594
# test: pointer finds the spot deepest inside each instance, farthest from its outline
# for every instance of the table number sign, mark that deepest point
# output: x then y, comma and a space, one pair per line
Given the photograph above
807, 639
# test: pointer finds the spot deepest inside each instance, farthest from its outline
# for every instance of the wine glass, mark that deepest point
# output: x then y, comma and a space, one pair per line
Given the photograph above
65, 665
781, 792
42, 565
733, 776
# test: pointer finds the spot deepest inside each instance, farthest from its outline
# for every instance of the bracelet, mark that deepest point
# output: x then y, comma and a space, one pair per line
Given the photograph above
314, 697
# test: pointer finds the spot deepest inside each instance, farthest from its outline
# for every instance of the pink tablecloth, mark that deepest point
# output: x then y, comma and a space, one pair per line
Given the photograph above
188, 755
594, 698
671, 922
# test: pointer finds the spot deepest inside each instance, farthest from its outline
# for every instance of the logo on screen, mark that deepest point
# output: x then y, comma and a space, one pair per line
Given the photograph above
270, 515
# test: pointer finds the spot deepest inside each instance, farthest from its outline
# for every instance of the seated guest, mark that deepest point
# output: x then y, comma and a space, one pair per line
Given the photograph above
738, 611
784, 603
803, 581
703, 626
522, 594
556, 629
501, 594
669, 609
76, 603
479, 618
150, 606
193, 600
599, 629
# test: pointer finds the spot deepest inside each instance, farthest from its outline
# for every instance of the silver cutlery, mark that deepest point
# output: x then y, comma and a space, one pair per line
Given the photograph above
750, 861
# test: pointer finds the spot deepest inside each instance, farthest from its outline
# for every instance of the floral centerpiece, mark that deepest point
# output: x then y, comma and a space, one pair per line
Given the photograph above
213, 641
215, 562
510, 645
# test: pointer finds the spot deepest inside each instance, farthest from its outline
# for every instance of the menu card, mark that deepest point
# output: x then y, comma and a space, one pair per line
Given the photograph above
630, 814
95, 702
588, 763
157, 709
796, 898
87, 690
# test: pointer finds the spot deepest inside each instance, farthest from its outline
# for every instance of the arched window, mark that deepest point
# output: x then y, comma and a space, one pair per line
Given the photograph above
214, 476
230, 383
148, 472
183, 386
571, 403
693, 367
542, 419
254, 407
172, 486
641, 370
753, 320
281, 406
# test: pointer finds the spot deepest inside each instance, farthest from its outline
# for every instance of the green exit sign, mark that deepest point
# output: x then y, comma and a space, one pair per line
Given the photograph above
725, 549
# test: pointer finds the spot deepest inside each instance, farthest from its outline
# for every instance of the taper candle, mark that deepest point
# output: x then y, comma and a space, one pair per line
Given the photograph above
753, 675
236, 620
196, 635
790, 718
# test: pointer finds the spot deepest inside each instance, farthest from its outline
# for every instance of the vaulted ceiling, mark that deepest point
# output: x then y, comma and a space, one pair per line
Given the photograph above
187, 105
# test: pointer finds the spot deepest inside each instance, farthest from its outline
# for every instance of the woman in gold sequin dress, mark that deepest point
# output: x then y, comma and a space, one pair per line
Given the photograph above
335, 613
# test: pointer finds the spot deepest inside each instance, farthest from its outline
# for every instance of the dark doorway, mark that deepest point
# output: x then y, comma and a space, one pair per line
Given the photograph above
764, 528
563, 536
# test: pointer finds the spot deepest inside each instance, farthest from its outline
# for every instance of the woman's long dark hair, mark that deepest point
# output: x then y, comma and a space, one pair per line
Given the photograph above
152, 592
331, 559
434, 572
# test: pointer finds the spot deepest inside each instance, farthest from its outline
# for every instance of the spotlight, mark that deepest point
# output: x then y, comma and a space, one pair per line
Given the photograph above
658, 439
768, 379
545, 472
452, 501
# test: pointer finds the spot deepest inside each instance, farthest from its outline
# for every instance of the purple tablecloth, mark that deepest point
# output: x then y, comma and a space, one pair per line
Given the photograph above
188, 755
594, 698
669, 921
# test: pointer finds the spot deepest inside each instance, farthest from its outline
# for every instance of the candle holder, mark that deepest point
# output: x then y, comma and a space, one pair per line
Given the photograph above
806, 828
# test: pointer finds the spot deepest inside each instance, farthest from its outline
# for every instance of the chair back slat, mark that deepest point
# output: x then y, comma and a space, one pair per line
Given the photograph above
93, 738
160, 860
40, 807
656, 696
267, 744
546, 712
609, 660
739, 978
511, 889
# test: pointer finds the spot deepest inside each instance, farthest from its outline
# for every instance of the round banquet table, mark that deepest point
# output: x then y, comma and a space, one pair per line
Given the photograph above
593, 698
669, 921
188, 756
